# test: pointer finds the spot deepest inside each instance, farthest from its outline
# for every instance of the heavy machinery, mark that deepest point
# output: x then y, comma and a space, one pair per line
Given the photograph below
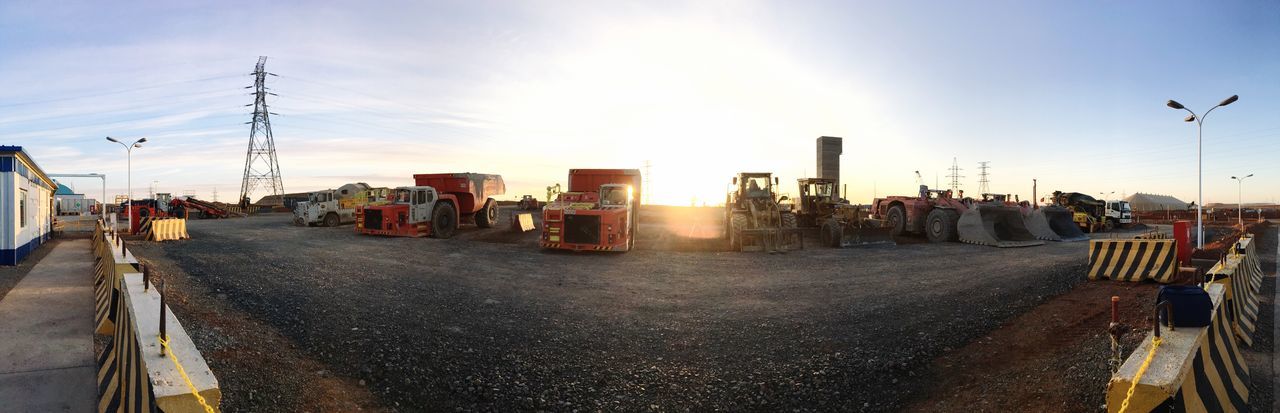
1119, 213
840, 224
756, 218
367, 197
599, 212
942, 217
435, 206
326, 207
528, 203
1087, 212
190, 207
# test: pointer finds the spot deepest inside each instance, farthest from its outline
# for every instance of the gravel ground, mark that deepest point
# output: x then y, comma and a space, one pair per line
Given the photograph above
430, 324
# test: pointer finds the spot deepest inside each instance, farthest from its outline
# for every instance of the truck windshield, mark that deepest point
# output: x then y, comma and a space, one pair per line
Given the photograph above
823, 190
613, 195
402, 196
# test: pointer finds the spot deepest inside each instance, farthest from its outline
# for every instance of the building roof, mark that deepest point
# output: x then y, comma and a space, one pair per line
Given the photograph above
17, 152
63, 190
1153, 202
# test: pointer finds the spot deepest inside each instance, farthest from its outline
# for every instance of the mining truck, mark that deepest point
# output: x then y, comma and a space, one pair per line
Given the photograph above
1086, 211
435, 206
943, 218
326, 207
599, 212
839, 223
756, 218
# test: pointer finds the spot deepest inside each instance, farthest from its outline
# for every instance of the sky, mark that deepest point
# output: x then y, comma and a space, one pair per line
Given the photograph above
1071, 94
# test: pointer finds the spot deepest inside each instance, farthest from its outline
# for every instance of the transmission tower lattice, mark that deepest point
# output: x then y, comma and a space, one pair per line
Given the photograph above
648, 182
954, 175
983, 182
260, 166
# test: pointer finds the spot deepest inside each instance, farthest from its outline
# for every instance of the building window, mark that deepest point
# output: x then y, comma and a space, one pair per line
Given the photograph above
22, 208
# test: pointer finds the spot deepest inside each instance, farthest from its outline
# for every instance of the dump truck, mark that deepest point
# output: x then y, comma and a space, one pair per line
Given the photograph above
435, 206
942, 218
599, 212
757, 218
839, 223
1119, 212
326, 208
1087, 212
367, 197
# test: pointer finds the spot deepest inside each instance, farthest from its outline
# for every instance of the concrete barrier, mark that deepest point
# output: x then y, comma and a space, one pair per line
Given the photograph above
1133, 260
522, 222
1240, 273
134, 374
1192, 370
167, 229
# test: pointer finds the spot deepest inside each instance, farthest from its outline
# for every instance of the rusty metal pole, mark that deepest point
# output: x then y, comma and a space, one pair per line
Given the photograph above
146, 277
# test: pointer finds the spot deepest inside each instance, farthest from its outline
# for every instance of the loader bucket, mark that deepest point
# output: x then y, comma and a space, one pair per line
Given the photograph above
995, 225
1039, 226
832, 234
1061, 222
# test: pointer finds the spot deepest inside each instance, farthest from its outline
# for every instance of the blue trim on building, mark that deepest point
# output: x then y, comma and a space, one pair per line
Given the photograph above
6, 164
15, 256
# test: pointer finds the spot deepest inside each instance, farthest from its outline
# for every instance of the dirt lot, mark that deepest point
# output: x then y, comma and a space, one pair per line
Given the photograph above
297, 318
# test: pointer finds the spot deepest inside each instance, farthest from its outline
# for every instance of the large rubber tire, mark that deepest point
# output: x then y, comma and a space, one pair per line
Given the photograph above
443, 221
737, 223
897, 220
331, 219
487, 216
940, 226
831, 234
789, 220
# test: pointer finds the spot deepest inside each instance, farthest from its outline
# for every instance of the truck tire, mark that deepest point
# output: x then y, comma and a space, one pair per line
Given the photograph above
443, 221
737, 223
487, 216
897, 220
940, 226
789, 220
831, 234
331, 219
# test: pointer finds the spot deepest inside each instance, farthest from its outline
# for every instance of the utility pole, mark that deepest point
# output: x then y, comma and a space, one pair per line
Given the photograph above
955, 176
983, 182
215, 194
260, 165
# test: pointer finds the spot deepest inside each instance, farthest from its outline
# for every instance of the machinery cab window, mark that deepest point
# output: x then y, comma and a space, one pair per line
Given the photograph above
757, 187
615, 195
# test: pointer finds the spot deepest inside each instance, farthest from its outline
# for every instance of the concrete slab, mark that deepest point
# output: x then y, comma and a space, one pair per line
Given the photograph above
59, 390
47, 325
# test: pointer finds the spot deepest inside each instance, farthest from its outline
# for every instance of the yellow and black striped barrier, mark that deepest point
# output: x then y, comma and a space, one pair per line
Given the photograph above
1241, 275
1185, 370
1133, 260
134, 373
167, 229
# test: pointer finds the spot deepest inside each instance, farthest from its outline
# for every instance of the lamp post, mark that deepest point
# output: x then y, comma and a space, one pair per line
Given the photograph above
1240, 199
1200, 160
128, 150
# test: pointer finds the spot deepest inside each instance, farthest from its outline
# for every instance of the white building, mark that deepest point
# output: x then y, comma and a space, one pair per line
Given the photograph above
26, 205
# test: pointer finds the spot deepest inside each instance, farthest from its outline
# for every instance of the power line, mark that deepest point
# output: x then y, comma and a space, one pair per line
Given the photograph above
118, 91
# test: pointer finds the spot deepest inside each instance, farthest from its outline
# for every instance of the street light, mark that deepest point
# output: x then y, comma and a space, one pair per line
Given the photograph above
1200, 160
128, 150
1240, 199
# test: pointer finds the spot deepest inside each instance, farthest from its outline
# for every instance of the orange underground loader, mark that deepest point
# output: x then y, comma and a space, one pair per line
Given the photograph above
434, 206
597, 213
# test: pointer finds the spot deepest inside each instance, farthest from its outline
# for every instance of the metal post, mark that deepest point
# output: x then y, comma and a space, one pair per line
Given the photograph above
164, 335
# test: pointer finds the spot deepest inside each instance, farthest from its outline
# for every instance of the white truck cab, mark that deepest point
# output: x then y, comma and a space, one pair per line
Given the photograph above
321, 208
1120, 212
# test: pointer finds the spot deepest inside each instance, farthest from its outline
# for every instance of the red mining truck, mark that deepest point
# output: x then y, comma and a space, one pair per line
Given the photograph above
597, 213
434, 206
